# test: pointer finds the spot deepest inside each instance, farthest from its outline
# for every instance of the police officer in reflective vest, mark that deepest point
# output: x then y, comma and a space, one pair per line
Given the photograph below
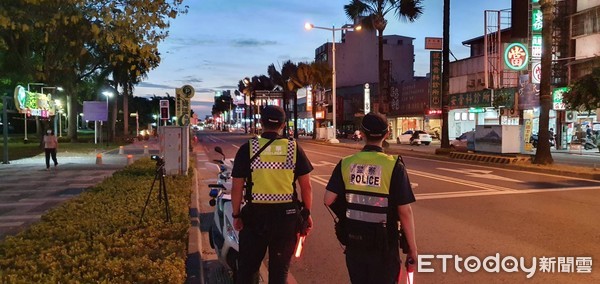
267, 168
375, 193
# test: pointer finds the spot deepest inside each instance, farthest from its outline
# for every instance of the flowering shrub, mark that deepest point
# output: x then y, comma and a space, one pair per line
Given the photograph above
97, 237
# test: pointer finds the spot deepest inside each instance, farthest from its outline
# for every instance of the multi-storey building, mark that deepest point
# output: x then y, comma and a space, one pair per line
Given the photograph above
585, 35
357, 64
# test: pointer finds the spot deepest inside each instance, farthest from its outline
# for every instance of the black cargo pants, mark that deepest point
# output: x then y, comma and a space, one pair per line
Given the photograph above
272, 226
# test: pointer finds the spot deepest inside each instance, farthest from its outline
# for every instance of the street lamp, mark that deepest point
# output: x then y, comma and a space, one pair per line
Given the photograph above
309, 26
59, 112
107, 94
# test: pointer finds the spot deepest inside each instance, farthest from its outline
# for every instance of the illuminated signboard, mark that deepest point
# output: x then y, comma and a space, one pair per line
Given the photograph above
536, 72
476, 110
320, 114
516, 56
537, 20
435, 67
34, 104
557, 98
367, 99
309, 99
536, 46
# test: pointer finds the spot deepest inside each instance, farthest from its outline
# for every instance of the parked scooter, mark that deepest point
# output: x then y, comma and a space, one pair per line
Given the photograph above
224, 239
534, 140
589, 143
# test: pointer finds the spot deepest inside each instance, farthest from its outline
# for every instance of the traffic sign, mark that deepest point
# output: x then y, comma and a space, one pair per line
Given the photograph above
183, 120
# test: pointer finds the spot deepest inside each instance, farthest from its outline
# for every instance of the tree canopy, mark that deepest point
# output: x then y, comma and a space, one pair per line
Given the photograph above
584, 94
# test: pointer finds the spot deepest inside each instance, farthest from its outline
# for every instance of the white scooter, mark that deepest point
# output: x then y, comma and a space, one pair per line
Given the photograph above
224, 239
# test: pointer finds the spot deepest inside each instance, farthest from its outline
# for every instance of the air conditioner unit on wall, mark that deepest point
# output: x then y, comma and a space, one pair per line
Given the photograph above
571, 116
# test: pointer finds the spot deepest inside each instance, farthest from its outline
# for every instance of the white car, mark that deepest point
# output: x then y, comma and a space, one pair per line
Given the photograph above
414, 137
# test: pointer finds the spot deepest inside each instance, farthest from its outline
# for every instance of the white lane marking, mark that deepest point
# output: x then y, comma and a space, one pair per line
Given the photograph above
323, 179
323, 163
470, 165
487, 174
483, 186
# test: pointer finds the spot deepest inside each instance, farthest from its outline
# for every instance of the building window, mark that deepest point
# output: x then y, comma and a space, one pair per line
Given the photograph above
385, 41
400, 42
586, 23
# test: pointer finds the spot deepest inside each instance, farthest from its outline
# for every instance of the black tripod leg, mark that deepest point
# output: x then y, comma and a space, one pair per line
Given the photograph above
164, 192
148, 197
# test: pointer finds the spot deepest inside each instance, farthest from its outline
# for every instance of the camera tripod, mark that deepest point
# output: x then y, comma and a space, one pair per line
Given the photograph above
162, 190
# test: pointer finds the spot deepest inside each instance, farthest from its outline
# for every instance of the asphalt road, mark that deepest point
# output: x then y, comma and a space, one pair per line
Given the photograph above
467, 211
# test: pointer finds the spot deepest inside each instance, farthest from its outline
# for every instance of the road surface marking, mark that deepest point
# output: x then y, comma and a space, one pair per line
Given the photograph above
460, 181
520, 171
487, 174
322, 163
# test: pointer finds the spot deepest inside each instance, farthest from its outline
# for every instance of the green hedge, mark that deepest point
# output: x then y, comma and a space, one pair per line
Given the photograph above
96, 237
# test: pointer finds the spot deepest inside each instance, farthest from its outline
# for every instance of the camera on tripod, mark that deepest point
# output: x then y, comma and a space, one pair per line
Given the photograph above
159, 160
162, 187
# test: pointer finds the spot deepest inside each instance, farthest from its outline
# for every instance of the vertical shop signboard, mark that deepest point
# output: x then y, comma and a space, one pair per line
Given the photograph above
435, 65
557, 98
537, 23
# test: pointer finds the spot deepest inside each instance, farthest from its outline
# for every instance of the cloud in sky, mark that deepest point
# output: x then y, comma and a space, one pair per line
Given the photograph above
153, 85
252, 42
220, 42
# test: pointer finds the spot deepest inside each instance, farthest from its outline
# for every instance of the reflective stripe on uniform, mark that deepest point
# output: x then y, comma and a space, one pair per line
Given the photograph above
271, 198
361, 199
366, 216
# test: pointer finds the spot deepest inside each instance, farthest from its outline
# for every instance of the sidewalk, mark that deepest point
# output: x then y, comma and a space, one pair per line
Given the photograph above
27, 190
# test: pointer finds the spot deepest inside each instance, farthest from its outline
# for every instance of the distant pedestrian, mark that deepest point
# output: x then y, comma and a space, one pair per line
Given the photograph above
50, 146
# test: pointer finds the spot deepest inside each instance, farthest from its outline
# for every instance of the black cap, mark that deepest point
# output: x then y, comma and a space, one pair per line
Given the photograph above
272, 115
374, 125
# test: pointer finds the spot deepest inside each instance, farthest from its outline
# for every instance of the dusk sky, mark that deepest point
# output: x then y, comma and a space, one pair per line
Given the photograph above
219, 42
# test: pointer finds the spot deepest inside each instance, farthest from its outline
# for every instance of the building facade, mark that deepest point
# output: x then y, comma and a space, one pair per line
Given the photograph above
357, 64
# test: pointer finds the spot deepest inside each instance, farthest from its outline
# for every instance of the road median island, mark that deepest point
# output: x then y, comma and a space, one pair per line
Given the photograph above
98, 237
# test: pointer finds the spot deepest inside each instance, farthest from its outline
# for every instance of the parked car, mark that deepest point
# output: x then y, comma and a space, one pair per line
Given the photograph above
463, 143
414, 137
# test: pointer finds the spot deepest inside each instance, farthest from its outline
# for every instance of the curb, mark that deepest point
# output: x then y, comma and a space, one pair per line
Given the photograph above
194, 268
490, 158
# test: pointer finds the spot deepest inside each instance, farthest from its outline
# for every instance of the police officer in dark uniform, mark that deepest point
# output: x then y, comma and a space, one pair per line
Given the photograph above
264, 173
375, 193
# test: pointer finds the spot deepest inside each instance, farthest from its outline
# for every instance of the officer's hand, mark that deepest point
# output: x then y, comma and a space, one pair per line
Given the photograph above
310, 225
238, 225
413, 256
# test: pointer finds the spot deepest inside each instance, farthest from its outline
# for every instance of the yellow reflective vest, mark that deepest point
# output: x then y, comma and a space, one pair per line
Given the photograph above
367, 176
273, 170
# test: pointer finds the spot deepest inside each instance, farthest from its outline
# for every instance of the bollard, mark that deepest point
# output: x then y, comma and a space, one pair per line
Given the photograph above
129, 159
121, 150
99, 159
146, 150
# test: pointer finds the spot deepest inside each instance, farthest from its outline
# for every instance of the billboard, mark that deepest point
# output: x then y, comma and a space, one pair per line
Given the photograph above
95, 111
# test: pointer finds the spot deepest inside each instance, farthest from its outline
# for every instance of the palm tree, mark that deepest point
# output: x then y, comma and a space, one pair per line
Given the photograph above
543, 155
301, 79
320, 80
372, 15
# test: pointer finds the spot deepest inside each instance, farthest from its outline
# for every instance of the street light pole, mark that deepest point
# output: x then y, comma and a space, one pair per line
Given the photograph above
309, 26
108, 94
